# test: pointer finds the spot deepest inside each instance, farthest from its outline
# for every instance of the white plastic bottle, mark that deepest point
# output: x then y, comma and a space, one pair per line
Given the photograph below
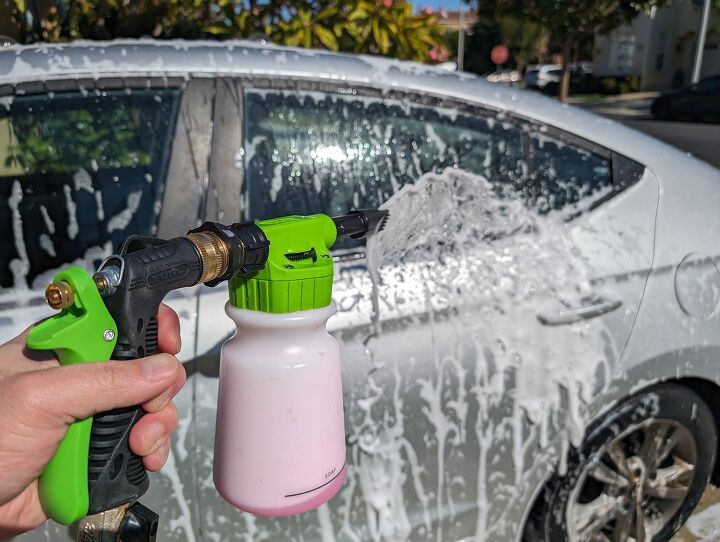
280, 436
280, 433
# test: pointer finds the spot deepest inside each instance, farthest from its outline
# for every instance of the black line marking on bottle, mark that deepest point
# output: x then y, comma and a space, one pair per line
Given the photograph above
318, 487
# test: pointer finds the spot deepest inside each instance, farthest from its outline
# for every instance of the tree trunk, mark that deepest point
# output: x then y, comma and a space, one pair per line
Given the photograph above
564, 88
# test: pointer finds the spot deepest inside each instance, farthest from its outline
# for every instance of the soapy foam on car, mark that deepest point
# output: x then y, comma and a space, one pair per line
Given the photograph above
489, 267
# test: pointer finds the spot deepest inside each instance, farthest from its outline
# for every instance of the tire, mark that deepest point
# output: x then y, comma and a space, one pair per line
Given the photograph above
669, 409
662, 110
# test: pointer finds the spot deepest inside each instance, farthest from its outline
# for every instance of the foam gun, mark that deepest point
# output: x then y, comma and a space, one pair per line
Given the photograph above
280, 445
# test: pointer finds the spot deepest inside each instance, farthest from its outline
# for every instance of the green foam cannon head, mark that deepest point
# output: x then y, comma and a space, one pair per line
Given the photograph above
298, 274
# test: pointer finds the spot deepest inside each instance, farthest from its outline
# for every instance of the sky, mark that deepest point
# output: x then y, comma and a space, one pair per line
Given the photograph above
451, 5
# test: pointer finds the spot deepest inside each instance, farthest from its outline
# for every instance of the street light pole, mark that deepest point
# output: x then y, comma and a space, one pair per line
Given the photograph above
701, 42
461, 40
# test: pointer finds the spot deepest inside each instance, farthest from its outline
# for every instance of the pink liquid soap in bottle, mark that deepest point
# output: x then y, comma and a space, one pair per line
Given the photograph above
280, 444
280, 435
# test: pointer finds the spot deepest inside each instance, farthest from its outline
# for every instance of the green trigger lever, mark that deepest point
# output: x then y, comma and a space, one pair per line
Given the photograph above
82, 332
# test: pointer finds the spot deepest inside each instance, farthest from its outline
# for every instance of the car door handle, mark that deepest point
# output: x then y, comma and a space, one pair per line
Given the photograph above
596, 307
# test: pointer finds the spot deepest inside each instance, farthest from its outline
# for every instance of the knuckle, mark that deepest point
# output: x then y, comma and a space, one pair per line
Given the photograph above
115, 375
173, 415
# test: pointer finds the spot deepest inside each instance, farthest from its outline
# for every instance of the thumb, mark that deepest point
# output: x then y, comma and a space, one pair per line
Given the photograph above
74, 392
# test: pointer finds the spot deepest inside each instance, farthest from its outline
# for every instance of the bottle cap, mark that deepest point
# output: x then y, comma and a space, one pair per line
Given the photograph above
298, 274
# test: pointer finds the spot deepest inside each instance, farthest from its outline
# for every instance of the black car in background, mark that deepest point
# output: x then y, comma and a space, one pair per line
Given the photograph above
699, 102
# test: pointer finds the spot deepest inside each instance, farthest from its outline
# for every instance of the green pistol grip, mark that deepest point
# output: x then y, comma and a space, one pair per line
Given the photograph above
82, 333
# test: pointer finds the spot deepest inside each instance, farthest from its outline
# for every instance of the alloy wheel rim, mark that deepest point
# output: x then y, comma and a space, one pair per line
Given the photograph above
634, 485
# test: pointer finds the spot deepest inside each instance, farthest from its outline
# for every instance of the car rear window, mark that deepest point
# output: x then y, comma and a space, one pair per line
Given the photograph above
79, 172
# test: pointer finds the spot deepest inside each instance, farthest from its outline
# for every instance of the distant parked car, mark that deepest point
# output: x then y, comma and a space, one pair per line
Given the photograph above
546, 77
496, 411
699, 101
505, 77
540, 75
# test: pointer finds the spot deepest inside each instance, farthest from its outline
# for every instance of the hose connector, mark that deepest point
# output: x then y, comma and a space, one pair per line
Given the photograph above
235, 248
214, 254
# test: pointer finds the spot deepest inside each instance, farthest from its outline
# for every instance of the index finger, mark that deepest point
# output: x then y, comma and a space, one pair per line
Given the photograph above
168, 330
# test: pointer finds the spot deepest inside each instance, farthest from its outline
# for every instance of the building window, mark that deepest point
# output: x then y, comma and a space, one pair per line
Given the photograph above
625, 54
660, 55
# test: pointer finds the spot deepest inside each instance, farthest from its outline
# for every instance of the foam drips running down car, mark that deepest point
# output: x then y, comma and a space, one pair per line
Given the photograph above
541, 366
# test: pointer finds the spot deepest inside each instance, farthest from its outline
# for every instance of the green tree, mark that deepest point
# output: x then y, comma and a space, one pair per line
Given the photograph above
390, 28
570, 22
524, 39
478, 44
108, 137
386, 27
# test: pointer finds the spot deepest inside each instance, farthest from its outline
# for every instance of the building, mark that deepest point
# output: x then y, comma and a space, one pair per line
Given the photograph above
456, 20
659, 47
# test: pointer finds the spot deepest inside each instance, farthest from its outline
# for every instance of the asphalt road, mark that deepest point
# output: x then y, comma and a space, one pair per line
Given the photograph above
701, 140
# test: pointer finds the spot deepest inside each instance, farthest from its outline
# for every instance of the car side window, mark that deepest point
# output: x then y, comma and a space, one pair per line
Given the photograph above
79, 172
565, 175
310, 152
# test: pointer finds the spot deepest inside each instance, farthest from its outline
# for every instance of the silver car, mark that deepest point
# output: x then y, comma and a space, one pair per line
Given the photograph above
542, 365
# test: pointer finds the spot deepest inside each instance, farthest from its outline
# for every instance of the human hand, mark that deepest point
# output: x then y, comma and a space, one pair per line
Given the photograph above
39, 400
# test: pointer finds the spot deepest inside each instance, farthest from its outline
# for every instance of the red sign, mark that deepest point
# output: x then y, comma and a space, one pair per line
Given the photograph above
499, 54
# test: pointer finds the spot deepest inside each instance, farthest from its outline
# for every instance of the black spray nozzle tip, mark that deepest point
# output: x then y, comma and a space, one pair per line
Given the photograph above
359, 223
377, 219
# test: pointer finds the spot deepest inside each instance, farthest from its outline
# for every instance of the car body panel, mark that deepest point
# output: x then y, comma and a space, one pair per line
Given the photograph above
441, 446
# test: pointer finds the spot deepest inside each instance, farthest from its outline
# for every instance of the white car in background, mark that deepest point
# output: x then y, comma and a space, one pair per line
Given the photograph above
499, 405
506, 77
540, 75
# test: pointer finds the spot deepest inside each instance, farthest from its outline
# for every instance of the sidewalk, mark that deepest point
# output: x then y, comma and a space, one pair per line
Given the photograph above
632, 105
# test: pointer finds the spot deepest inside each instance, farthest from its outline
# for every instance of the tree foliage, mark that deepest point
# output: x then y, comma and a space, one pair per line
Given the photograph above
525, 39
386, 27
43, 143
570, 22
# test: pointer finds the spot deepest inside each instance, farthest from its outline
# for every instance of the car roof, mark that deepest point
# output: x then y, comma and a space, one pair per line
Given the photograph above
127, 58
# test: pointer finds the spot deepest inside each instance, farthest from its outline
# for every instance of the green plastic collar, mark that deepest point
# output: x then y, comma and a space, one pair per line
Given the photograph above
298, 275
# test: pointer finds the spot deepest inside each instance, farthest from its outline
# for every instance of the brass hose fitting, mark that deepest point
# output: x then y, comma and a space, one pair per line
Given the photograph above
59, 295
214, 254
101, 282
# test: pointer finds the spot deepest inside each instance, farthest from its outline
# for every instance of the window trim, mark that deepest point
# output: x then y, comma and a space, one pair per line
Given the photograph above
89, 84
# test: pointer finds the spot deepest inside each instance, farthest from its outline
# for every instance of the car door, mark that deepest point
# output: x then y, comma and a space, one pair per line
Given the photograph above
84, 164
450, 393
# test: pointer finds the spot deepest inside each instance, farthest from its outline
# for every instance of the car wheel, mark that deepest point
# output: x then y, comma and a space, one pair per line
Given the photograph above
637, 476
661, 110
